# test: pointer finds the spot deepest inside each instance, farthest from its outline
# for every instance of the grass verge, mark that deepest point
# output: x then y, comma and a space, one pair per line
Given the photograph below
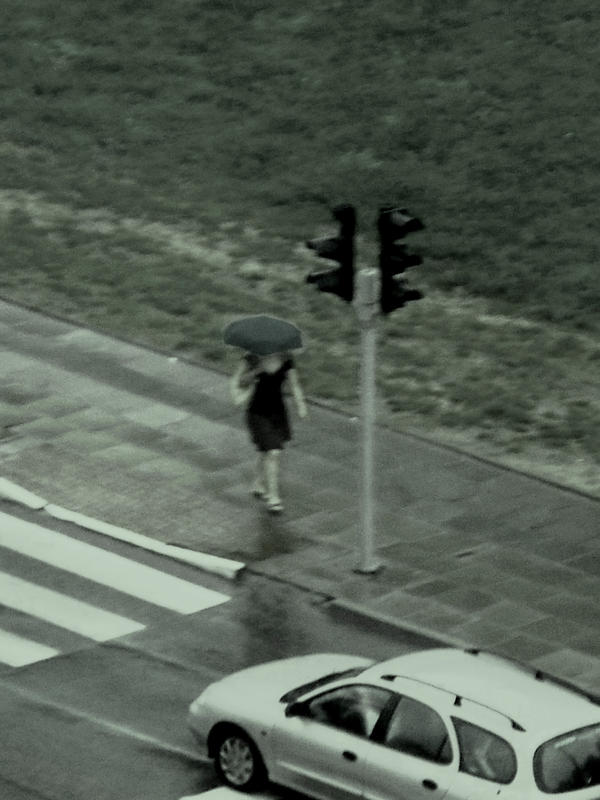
522, 392
162, 163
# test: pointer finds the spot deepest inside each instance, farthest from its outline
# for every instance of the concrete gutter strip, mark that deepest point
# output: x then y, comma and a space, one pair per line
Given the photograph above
224, 567
346, 609
220, 566
14, 492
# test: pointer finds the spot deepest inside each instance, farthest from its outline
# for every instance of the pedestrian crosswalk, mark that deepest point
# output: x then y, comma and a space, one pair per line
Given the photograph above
225, 793
30, 600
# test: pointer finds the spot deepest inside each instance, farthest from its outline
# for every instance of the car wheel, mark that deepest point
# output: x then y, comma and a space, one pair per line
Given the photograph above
238, 762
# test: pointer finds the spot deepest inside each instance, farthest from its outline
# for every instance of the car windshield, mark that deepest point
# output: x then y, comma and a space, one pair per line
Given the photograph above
294, 694
569, 762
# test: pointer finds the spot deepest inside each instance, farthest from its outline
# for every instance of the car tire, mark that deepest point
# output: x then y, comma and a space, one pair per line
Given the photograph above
238, 762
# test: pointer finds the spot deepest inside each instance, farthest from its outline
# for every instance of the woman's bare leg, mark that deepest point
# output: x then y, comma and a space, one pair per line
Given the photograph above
272, 475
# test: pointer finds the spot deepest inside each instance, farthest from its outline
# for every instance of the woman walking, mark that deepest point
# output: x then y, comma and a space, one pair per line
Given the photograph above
259, 382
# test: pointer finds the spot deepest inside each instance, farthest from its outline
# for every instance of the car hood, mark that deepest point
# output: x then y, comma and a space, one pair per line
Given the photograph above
274, 678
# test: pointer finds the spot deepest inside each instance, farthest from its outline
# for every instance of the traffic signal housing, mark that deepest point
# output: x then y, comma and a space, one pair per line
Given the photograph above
340, 248
393, 225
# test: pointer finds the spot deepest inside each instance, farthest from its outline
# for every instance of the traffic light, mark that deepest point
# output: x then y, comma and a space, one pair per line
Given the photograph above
340, 248
394, 224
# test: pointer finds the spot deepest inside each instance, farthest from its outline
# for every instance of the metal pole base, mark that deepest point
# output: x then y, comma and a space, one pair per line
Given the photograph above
369, 568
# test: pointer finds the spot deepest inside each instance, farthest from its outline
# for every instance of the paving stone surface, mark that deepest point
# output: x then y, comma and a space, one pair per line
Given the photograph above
469, 552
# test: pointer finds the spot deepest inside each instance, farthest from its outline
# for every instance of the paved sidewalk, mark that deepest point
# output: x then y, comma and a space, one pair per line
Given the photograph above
472, 553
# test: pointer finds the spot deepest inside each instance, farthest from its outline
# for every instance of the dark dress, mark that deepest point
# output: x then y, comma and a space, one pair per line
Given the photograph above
266, 414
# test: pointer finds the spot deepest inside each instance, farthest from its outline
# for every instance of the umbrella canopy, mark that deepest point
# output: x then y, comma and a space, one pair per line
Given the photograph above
263, 335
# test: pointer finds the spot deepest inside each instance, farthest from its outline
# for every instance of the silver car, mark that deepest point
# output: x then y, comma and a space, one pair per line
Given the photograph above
440, 723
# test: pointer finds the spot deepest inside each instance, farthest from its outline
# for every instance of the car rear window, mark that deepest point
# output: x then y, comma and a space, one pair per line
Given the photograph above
569, 762
484, 754
294, 694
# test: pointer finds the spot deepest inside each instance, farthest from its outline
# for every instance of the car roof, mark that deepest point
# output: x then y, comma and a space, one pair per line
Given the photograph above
530, 699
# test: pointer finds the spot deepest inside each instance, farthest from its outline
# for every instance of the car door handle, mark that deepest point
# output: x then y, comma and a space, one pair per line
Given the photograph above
349, 755
430, 784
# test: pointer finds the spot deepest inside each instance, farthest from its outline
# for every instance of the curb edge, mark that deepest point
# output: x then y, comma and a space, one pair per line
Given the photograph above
224, 567
349, 609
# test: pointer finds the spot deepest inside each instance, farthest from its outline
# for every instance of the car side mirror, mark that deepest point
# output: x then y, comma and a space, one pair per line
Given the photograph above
297, 709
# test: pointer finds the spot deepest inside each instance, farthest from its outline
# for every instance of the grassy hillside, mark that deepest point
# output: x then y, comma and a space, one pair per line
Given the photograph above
161, 164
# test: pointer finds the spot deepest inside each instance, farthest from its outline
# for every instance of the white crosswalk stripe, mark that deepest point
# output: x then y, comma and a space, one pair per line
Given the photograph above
102, 566
18, 652
74, 557
66, 612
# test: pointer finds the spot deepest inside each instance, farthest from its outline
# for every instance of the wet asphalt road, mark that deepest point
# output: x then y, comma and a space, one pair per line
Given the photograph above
108, 721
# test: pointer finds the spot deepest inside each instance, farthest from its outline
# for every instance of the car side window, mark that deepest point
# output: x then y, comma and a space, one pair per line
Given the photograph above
355, 708
484, 754
418, 730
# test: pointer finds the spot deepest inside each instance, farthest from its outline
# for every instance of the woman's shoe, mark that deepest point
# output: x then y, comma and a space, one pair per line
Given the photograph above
274, 506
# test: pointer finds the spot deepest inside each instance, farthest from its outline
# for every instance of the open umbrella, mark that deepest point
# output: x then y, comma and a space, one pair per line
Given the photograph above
263, 335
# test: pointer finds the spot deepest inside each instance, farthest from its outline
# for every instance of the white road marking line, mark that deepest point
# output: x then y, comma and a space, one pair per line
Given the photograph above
225, 793
66, 612
106, 568
108, 725
18, 652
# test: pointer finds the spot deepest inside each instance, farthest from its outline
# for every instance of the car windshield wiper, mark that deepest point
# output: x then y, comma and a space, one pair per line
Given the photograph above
294, 694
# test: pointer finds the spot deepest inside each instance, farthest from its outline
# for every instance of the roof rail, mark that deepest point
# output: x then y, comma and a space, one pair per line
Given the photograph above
540, 675
458, 698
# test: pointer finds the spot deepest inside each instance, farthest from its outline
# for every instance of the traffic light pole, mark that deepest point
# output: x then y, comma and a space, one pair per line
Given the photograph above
367, 307
375, 291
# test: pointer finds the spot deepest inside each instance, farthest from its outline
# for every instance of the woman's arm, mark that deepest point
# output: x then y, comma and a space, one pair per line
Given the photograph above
297, 392
241, 384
